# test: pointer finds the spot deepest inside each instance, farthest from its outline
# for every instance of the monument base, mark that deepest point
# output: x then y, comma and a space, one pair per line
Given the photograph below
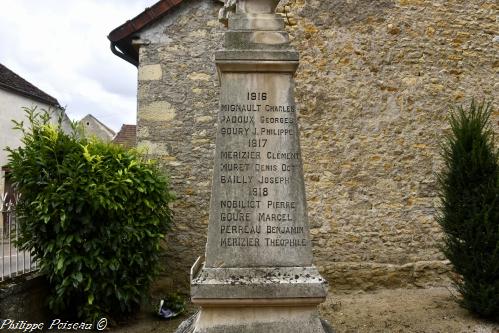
256, 300
256, 320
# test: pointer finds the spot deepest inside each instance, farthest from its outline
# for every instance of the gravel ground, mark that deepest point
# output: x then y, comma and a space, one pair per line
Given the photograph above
432, 310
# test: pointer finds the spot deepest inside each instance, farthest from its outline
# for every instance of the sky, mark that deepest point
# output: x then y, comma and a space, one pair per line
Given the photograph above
62, 48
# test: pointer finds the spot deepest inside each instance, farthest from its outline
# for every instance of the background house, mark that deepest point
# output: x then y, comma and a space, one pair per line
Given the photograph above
16, 93
375, 84
93, 127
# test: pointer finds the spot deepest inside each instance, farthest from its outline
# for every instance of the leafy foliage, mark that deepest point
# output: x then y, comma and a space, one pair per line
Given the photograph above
93, 214
470, 212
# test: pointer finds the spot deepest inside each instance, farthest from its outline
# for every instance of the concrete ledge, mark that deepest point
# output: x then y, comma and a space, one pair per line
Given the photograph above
247, 66
257, 320
188, 326
267, 302
258, 55
263, 284
266, 22
255, 40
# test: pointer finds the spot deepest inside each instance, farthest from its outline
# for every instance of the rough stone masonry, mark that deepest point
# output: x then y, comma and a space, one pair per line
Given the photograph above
375, 83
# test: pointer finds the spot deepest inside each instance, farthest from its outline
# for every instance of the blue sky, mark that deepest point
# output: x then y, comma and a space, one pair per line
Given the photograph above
62, 48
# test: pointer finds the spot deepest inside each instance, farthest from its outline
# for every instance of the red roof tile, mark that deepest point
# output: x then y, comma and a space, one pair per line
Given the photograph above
122, 35
127, 136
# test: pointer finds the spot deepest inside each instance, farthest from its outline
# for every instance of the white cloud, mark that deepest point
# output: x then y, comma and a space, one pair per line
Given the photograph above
62, 48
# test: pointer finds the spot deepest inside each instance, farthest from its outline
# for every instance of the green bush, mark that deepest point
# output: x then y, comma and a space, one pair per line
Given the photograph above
93, 215
470, 209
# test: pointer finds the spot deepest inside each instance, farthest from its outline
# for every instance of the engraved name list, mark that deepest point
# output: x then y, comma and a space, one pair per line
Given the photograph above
255, 171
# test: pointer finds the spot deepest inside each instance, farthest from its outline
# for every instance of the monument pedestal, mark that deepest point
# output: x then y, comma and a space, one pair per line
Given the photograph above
258, 274
252, 319
251, 300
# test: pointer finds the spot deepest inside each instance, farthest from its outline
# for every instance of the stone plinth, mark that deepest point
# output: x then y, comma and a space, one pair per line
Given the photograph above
258, 274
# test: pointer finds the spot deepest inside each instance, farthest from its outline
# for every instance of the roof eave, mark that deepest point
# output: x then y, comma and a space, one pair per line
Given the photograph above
54, 103
122, 36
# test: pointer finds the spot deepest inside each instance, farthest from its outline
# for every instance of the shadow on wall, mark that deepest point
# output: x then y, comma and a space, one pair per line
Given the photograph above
346, 13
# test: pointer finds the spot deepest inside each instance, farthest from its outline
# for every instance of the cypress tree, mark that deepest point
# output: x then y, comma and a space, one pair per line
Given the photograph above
469, 214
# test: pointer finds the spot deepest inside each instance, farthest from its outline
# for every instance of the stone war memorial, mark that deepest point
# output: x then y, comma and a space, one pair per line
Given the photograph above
371, 92
257, 274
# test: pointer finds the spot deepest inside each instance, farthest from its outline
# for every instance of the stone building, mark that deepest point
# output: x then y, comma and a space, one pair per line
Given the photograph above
93, 127
375, 85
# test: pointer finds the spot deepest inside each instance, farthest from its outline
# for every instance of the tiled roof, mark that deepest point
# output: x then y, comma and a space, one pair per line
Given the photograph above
148, 16
127, 136
122, 35
13, 82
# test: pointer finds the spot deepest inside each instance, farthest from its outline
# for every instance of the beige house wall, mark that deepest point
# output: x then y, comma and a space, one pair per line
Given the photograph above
375, 84
11, 108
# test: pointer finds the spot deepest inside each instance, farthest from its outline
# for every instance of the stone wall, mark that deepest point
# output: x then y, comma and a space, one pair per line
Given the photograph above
177, 110
24, 298
375, 85
374, 89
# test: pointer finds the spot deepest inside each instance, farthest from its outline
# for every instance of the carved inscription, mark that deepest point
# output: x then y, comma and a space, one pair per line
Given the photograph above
257, 167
